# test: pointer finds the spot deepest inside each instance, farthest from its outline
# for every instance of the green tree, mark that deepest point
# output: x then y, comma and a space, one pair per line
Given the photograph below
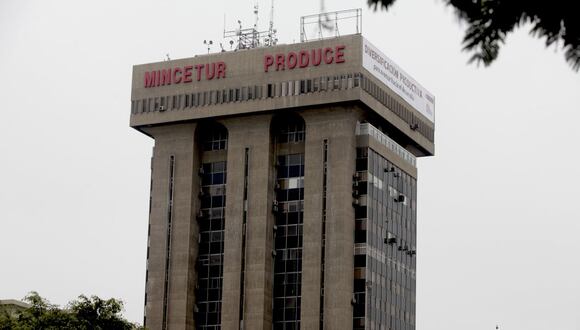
42, 315
83, 313
490, 21
96, 313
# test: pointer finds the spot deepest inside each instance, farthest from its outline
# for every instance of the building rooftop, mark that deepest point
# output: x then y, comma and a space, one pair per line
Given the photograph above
346, 69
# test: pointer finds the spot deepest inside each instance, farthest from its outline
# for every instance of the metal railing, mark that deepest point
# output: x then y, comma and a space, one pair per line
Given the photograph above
368, 129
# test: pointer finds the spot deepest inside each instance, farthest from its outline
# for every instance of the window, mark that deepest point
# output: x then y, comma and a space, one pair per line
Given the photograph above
209, 263
288, 238
292, 132
214, 137
288, 244
270, 90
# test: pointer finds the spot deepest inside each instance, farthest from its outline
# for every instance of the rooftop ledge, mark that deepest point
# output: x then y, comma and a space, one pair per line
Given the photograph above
368, 129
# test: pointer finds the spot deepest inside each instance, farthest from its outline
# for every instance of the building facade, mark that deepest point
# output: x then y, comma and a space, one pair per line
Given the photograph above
283, 187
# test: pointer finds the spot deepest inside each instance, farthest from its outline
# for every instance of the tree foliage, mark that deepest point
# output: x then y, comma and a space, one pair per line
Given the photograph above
490, 21
83, 313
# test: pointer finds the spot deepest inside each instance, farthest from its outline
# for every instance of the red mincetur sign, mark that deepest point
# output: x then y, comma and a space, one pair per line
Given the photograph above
184, 74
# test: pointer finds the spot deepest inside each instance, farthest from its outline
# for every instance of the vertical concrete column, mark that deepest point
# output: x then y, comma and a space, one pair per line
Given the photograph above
337, 125
316, 132
177, 141
253, 133
233, 228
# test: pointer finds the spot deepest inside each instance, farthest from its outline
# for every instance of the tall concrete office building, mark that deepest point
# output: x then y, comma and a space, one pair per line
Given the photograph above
283, 187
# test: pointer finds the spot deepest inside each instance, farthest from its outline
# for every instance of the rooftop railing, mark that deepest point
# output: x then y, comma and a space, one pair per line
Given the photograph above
368, 129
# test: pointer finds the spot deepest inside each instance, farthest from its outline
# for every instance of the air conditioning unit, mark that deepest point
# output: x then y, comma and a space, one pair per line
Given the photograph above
356, 176
275, 206
277, 186
390, 240
273, 253
275, 228
389, 170
162, 108
355, 202
200, 171
400, 199
414, 126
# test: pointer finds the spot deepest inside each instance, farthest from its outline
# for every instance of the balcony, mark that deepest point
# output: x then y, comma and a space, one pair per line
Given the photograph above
368, 129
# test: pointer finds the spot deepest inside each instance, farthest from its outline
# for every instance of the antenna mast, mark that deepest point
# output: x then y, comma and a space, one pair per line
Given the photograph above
272, 40
251, 37
256, 15
271, 28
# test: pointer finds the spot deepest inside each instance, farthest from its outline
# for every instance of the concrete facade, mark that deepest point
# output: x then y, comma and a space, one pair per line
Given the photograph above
333, 101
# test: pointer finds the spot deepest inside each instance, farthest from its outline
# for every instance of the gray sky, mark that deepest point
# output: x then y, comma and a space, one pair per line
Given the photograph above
498, 209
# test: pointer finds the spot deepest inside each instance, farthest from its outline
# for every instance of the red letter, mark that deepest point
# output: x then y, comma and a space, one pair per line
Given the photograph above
268, 61
339, 54
292, 60
165, 77
176, 79
279, 61
209, 75
149, 79
221, 70
303, 59
187, 74
327, 59
316, 61
198, 68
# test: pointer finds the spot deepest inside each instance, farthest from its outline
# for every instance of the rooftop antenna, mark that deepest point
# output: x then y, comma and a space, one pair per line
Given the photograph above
247, 38
208, 43
272, 40
167, 57
256, 16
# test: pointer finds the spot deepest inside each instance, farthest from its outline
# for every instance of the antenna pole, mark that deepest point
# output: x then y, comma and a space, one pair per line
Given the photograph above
272, 16
252, 37
256, 15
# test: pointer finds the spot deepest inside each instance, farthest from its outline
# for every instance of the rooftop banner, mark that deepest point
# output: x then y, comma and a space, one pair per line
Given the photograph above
384, 69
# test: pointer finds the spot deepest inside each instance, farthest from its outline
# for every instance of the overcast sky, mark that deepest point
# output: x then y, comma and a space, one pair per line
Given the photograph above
499, 219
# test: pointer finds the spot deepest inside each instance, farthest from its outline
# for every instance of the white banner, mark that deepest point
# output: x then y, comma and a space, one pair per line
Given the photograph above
398, 80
